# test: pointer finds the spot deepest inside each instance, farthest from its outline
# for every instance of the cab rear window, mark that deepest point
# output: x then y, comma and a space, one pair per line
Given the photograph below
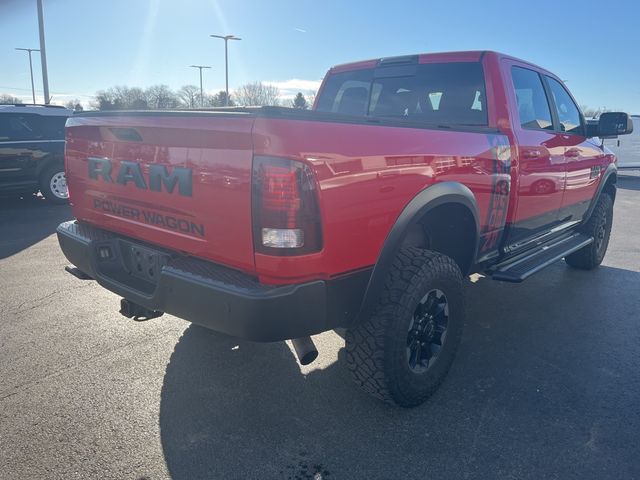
440, 94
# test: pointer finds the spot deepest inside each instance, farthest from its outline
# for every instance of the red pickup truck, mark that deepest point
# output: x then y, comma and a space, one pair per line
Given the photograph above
366, 213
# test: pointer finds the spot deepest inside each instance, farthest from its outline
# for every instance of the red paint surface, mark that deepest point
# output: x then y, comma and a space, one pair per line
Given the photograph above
218, 150
366, 175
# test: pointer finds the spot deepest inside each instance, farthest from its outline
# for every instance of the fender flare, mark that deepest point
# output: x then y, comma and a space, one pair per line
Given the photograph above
611, 169
426, 200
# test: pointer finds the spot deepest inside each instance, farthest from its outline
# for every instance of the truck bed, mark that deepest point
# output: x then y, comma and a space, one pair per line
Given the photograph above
366, 170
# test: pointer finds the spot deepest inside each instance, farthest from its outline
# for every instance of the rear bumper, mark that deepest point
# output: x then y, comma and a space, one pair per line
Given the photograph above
214, 296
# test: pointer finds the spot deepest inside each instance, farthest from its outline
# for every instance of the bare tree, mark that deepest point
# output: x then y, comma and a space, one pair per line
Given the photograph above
106, 100
5, 99
74, 105
133, 97
218, 100
257, 94
120, 98
189, 96
590, 112
311, 98
161, 97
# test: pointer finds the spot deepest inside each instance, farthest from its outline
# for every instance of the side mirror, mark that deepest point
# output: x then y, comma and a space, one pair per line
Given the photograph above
612, 124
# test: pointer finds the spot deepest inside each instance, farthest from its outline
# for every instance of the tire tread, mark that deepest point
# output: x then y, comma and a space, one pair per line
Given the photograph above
587, 257
366, 344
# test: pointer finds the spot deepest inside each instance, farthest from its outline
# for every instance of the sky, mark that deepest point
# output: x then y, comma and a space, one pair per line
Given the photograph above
96, 44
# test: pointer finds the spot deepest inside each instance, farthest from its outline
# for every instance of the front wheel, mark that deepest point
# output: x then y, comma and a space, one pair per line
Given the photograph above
404, 350
599, 227
53, 185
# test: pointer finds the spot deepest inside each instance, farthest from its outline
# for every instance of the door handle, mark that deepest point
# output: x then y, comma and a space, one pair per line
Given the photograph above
531, 154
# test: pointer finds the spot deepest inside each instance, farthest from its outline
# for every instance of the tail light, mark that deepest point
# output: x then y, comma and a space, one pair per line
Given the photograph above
286, 218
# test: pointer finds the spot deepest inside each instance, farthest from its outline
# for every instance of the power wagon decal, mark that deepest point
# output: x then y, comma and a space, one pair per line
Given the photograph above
162, 220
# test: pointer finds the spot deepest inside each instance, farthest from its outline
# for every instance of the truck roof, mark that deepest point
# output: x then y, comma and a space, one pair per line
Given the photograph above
458, 56
48, 110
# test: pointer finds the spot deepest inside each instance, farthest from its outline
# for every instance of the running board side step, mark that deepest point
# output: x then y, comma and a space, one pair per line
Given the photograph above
522, 266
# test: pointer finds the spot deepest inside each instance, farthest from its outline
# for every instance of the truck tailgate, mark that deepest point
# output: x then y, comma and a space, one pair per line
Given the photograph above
180, 180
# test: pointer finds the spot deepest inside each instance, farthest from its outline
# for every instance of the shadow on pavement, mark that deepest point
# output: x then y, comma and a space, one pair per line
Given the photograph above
629, 182
26, 221
543, 386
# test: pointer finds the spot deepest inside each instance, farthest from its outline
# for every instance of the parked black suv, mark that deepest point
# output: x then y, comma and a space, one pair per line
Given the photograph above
32, 150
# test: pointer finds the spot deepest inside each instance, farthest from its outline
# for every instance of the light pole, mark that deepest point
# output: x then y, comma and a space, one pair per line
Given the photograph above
200, 67
226, 39
33, 88
43, 54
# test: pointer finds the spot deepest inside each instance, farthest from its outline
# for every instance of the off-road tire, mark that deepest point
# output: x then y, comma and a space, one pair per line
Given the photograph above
599, 227
45, 184
376, 349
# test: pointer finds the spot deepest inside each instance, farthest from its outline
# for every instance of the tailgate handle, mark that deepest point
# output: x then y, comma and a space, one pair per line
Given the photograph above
126, 134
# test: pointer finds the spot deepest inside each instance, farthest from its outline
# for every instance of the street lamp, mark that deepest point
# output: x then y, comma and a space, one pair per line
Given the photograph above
43, 55
226, 38
200, 67
33, 89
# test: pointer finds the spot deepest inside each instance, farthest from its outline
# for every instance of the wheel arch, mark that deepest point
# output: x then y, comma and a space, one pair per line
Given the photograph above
446, 200
49, 160
607, 185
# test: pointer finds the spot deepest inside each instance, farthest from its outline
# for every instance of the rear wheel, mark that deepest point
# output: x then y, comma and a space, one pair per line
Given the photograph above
599, 227
402, 353
53, 185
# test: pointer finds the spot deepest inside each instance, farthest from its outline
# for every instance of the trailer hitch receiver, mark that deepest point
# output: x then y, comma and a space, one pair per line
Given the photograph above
139, 313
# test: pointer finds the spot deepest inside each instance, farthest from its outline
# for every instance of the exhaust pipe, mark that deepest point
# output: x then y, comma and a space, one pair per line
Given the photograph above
305, 350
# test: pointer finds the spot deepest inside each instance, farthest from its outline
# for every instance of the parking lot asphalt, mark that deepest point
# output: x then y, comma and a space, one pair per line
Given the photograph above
546, 383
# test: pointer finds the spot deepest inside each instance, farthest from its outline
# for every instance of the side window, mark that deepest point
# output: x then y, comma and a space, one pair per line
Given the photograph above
53, 127
19, 127
533, 107
568, 112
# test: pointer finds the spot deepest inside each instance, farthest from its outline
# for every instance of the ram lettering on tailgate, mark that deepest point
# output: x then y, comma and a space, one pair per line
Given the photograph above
159, 176
132, 172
